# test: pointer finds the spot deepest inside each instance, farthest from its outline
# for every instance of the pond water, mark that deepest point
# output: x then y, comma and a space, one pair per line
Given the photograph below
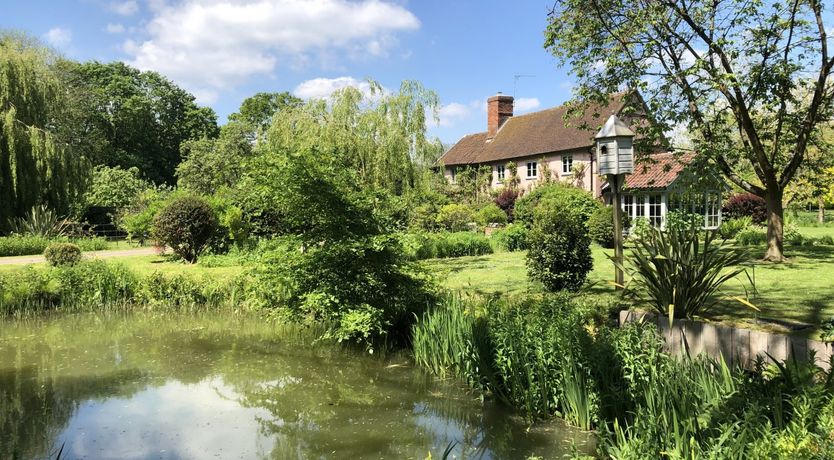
231, 386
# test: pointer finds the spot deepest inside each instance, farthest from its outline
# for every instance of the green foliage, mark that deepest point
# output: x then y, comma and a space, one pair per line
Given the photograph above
147, 119
770, 112
446, 245
379, 137
730, 228
257, 112
21, 245
601, 226
454, 217
577, 200
40, 221
186, 224
490, 213
684, 220
115, 187
61, 254
138, 219
513, 237
37, 166
559, 254
346, 268
211, 164
677, 272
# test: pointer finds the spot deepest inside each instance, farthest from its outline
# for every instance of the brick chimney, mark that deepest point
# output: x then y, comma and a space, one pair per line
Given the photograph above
499, 110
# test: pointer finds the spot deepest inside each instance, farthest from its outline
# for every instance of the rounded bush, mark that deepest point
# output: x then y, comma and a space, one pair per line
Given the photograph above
187, 225
62, 254
506, 201
746, 204
578, 201
513, 237
601, 226
454, 217
751, 236
731, 227
491, 214
560, 248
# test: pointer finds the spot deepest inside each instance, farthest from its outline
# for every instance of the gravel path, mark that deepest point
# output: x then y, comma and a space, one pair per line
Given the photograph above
107, 254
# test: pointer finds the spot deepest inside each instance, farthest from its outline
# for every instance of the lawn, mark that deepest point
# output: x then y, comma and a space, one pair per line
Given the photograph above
800, 290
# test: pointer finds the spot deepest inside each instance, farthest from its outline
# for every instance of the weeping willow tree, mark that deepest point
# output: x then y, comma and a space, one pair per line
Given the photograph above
379, 136
35, 167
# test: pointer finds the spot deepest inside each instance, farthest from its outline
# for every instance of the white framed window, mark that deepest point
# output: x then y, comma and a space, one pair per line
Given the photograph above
567, 164
713, 210
532, 170
655, 210
501, 172
639, 206
628, 205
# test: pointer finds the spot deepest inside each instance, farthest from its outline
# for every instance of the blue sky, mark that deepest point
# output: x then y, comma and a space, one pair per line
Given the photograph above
225, 50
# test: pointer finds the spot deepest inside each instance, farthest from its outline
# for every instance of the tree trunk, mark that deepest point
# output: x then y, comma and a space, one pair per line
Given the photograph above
821, 210
775, 226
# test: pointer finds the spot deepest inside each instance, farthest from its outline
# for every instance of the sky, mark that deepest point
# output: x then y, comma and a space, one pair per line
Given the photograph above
223, 51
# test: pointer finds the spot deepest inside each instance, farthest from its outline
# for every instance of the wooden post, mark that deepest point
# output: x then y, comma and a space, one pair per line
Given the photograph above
614, 180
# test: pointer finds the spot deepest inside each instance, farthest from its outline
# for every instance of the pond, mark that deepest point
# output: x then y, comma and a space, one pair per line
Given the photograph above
235, 386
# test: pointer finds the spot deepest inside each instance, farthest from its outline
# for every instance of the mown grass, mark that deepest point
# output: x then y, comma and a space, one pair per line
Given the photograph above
800, 290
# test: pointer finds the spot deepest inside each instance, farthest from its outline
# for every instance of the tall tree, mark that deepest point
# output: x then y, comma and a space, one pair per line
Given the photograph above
209, 164
142, 116
380, 137
751, 79
257, 112
36, 166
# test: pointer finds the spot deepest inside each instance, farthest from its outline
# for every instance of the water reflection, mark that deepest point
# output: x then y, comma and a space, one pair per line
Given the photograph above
186, 387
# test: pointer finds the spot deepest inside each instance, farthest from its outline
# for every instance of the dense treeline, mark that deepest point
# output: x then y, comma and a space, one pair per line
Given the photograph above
61, 118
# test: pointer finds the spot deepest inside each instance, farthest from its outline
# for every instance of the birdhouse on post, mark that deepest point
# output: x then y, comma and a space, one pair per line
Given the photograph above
615, 157
615, 147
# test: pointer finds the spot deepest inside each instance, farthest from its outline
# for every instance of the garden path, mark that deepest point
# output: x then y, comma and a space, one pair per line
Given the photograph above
105, 254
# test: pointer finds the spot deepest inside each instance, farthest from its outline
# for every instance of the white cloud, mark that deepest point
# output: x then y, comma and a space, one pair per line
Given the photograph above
115, 28
453, 112
128, 8
525, 104
322, 88
58, 36
214, 45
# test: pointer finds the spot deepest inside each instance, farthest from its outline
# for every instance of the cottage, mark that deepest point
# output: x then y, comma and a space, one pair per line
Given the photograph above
540, 143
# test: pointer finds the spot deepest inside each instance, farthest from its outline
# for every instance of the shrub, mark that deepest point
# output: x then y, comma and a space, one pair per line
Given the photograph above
59, 254
506, 199
746, 204
559, 253
362, 289
186, 224
681, 271
639, 229
115, 187
490, 214
461, 244
420, 246
22, 245
730, 228
138, 221
684, 220
513, 237
751, 236
40, 221
454, 217
601, 226
573, 198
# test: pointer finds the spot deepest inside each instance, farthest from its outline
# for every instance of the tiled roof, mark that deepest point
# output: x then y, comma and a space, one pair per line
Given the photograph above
534, 134
658, 171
